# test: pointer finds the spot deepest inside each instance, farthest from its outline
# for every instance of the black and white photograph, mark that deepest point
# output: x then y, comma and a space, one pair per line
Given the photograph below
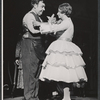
50, 50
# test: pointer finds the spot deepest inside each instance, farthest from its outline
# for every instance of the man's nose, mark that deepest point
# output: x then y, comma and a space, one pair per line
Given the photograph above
44, 9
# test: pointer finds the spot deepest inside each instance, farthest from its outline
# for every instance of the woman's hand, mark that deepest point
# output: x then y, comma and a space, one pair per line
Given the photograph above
52, 19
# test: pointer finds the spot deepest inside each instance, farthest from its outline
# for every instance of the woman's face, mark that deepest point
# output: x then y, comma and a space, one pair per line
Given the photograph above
60, 15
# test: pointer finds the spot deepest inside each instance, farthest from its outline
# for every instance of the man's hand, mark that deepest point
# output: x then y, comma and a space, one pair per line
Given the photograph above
36, 23
17, 61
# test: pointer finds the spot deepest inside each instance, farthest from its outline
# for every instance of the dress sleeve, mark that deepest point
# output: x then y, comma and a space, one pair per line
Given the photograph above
60, 27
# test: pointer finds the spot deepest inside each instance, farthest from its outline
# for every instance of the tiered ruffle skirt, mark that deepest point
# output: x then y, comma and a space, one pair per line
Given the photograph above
63, 62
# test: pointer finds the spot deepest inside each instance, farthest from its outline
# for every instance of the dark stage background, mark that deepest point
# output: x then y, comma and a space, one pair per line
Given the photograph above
85, 19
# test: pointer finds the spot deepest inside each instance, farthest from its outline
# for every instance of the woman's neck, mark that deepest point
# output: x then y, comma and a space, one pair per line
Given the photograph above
65, 17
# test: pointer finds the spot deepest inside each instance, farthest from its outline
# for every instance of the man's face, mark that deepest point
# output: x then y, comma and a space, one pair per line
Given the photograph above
40, 7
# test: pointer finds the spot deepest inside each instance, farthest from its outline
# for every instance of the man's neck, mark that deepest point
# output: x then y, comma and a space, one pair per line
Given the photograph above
34, 10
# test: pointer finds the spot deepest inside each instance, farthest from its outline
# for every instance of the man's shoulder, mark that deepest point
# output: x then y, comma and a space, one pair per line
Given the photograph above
28, 15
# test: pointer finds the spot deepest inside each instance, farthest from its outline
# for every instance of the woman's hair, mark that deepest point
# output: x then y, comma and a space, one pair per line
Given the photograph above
35, 2
65, 8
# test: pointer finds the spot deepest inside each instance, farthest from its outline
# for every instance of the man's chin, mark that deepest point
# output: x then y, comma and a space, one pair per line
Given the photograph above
40, 13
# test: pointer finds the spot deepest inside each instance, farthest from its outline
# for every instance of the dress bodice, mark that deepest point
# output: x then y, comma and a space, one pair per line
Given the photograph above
58, 34
66, 34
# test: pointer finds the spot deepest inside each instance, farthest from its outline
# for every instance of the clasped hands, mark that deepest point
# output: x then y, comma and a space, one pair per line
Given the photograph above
46, 27
52, 19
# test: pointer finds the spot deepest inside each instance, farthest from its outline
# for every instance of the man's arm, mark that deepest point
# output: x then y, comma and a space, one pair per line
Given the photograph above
30, 23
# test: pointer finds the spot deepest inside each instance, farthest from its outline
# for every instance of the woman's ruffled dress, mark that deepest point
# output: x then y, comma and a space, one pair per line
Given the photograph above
63, 62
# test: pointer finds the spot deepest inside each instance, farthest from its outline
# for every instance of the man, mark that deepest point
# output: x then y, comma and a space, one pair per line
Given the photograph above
32, 50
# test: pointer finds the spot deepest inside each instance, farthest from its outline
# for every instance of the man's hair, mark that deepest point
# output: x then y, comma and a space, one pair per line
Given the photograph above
35, 2
65, 8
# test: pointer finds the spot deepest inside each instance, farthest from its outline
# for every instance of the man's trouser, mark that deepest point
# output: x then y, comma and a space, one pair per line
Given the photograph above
30, 65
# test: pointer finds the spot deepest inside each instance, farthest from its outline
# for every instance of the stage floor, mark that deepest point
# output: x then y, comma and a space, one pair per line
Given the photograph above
72, 98
18, 95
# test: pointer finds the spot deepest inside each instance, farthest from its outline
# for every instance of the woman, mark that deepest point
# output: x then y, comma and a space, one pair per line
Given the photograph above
63, 62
